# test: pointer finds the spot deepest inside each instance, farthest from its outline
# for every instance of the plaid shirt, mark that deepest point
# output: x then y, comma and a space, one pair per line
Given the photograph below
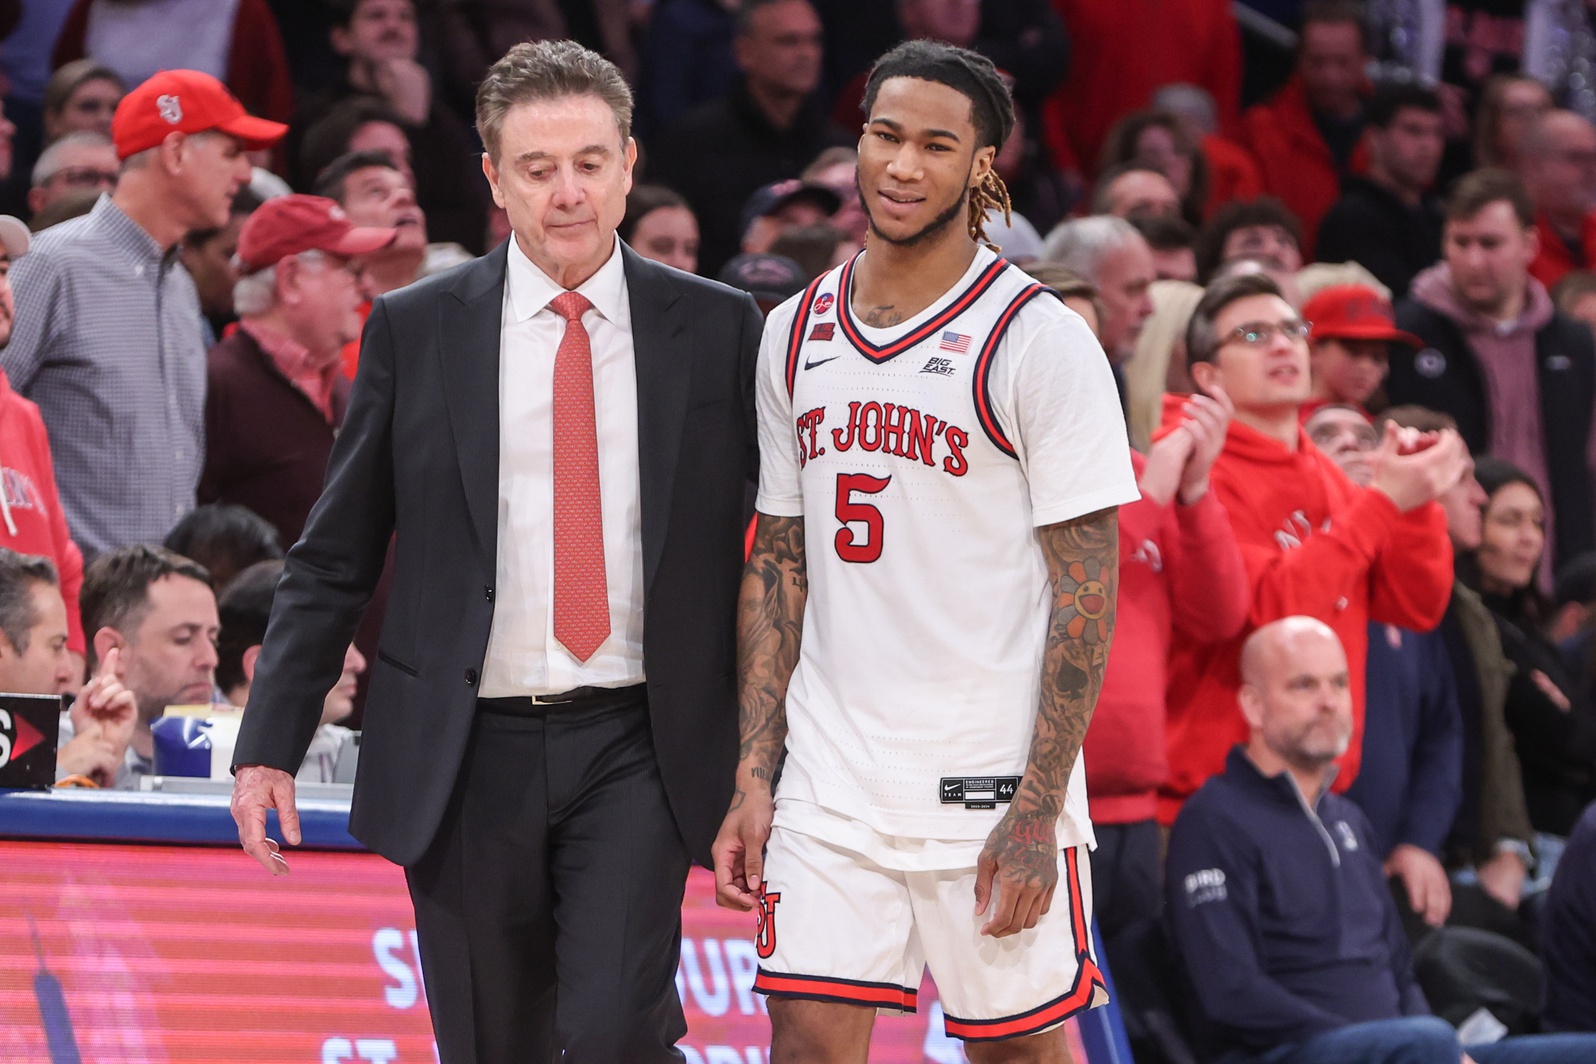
108, 342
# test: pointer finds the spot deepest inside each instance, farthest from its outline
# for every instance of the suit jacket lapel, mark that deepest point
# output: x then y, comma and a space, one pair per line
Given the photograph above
664, 369
468, 345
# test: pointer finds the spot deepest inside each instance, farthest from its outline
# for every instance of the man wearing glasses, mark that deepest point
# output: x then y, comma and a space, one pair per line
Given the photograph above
1314, 543
83, 161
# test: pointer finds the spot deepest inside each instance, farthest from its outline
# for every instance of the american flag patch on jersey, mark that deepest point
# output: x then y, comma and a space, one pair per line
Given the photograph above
958, 343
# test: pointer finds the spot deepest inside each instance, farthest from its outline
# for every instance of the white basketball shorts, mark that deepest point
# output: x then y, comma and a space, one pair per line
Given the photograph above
835, 926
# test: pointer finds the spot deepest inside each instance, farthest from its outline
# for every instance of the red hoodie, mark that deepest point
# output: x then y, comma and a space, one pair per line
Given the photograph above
1314, 543
1554, 260
1179, 569
31, 521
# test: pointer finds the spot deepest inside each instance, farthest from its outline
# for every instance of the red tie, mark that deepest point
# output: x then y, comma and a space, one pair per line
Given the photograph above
581, 593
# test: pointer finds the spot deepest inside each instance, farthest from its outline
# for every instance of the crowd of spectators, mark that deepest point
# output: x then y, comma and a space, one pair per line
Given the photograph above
1341, 257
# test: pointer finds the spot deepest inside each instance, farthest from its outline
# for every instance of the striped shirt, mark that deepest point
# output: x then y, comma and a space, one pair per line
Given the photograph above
108, 342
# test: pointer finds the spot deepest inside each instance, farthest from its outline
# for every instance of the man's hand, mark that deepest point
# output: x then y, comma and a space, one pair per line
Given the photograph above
91, 755
1429, 891
1412, 469
407, 87
1021, 857
257, 788
739, 849
103, 718
1502, 877
1207, 419
1166, 461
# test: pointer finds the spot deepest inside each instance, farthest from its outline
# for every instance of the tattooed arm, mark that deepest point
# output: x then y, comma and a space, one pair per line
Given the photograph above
770, 615
1021, 854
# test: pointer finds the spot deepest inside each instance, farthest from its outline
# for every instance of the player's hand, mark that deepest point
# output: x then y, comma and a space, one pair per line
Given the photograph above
257, 788
1412, 469
1021, 861
1429, 891
1207, 420
739, 849
1502, 877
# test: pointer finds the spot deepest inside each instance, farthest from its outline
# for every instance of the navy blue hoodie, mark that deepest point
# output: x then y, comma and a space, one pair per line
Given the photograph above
1282, 915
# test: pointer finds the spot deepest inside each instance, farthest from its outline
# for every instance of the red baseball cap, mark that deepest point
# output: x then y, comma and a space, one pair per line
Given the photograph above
1354, 312
288, 225
187, 101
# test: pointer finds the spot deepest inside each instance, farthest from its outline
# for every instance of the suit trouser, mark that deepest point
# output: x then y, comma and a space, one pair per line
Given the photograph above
548, 908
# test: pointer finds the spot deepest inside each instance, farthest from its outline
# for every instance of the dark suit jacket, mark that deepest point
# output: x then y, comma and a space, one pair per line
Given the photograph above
418, 460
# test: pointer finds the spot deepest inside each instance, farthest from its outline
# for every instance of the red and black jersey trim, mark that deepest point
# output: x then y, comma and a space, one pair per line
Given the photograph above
842, 991
795, 341
1088, 980
881, 353
981, 378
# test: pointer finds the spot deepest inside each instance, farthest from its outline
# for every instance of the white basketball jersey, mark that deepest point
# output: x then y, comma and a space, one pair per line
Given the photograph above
914, 699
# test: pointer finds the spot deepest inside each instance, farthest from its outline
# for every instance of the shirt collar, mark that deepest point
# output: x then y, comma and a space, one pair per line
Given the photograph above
125, 233
292, 360
530, 289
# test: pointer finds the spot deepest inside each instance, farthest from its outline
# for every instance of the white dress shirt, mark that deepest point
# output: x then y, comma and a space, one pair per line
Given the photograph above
523, 657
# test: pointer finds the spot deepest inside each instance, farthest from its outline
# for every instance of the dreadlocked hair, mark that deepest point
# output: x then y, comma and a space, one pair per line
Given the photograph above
973, 76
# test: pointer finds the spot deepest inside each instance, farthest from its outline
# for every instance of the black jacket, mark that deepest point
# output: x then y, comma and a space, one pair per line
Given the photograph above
418, 462
1369, 225
1446, 376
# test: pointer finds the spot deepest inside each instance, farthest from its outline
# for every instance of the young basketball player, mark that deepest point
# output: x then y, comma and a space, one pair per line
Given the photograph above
927, 611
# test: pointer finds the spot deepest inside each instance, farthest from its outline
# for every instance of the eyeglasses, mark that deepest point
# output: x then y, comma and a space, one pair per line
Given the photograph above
84, 177
1261, 333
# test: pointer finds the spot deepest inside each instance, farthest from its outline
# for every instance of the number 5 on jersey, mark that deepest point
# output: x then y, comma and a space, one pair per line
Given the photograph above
849, 548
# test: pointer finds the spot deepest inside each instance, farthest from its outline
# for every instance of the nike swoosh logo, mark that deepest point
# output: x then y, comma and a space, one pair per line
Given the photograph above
822, 362
950, 788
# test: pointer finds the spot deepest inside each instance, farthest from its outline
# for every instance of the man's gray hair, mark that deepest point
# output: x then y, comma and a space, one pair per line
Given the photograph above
18, 574
256, 293
548, 70
1080, 243
50, 164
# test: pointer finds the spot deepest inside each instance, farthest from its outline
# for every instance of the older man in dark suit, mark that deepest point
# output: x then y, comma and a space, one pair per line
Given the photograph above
556, 437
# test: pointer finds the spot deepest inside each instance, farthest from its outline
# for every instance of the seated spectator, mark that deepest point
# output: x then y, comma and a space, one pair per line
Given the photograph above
837, 169
375, 195
1410, 785
1110, 253
1489, 848
34, 660
1518, 377
208, 257
685, 59
69, 206
780, 206
1170, 240
1314, 543
1158, 364
244, 607
224, 538
32, 520
1276, 899
1387, 219
1159, 140
770, 279
109, 340
767, 129
1552, 718
1306, 137
151, 619
1568, 944
1260, 228
1349, 348
356, 124
1575, 296
1558, 165
1232, 171
1074, 291
815, 248
275, 394
76, 162
236, 43
659, 225
1135, 189
1284, 279
81, 97
1316, 276
1038, 192
380, 41
1508, 107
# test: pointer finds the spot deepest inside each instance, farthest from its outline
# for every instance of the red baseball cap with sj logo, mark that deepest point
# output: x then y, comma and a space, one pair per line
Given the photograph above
289, 225
185, 101
1354, 312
